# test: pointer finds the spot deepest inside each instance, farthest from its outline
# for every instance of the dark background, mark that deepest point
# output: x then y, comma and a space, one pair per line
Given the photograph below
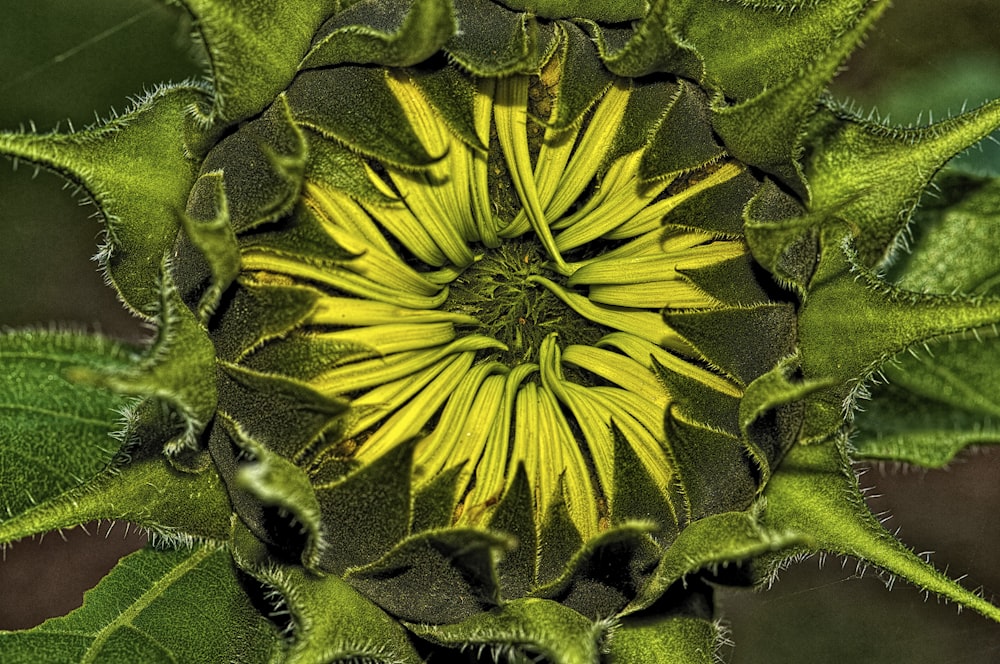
62, 60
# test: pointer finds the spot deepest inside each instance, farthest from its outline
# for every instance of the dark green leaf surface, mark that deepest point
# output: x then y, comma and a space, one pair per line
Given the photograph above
872, 175
397, 33
254, 49
365, 117
583, 78
941, 400
956, 241
156, 606
54, 432
493, 40
542, 627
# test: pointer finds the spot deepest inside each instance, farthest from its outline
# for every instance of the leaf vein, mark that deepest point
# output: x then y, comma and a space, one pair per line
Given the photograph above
145, 599
54, 413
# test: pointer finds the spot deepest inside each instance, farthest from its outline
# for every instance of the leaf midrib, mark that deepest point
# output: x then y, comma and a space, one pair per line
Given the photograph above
54, 414
144, 600
970, 396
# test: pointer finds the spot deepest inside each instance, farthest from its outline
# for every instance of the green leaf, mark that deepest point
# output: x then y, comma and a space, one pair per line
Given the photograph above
55, 432
765, 130
369, 511
254, 49
711, 331
607, 572
651, 46
955, 241
453, 95
718, 209
528, 627
215, 240
872, 175
434, 504
336, 624
262, 167
848, 346
683, 141
608, 11
394, 34
143, 487
647, 105
330, 621
136, 170
714, 472
696, 402
937, 403
749, 47
782, 237
816, 495
636, 496
711, 542
672, 640
934, 405
337, 167
156, 606
178, 369
558, 539
364, 115
283, 414
493, 41
275, 481
514, 517
583, 79
452, 571
770, 413
900, 425
256, 314
737, 281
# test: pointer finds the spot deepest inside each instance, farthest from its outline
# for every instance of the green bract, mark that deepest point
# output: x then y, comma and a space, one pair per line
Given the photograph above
496, 327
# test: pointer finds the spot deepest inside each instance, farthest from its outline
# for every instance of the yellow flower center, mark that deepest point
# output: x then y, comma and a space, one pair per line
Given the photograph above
508, 302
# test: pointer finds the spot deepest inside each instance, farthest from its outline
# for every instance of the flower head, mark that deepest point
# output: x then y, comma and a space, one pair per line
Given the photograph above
505, 324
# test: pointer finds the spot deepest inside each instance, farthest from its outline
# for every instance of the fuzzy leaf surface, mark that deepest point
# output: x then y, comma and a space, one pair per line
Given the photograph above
254, 48
540, 626
955, 243
54, 431
675, 640
149, 491
156, 606
817, 496
938, 402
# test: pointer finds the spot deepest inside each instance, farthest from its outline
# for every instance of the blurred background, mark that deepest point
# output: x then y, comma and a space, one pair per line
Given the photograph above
65, 62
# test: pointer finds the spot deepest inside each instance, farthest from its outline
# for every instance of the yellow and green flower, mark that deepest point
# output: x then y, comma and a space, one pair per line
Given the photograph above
495, 330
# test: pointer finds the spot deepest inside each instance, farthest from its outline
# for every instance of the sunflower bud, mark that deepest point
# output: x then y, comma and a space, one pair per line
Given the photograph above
503, 325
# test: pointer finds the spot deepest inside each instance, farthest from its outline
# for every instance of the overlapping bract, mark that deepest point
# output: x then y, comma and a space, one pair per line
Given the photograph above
796, 332
328, 408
